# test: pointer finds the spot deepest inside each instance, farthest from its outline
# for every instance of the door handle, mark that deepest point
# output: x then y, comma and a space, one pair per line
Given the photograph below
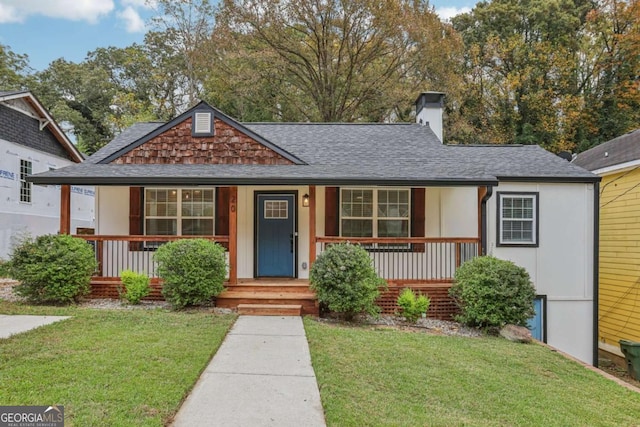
291, 241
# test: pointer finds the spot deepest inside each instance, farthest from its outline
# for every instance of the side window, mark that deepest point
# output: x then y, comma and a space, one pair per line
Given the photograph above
518, 219
26, 168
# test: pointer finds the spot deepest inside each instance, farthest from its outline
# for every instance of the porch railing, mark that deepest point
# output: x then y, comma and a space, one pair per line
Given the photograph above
118, 253
414, 259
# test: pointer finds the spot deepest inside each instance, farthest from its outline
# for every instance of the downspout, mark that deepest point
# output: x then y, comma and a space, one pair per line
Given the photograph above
483, 220
596, 268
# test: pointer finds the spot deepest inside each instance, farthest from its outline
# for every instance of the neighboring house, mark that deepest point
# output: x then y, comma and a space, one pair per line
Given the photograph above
276, 194
618, 163
32, 142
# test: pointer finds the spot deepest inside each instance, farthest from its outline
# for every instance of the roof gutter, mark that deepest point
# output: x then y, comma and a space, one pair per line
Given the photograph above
257, 181
553, 179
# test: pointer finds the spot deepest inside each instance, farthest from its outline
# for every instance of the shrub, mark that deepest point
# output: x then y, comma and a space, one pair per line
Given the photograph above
135, 286
344, 279
413, 307
192, 271
492, 293
4, 268
52, 268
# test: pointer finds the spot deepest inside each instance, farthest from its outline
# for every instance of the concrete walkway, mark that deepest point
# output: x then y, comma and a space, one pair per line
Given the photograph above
14, 324
260, 376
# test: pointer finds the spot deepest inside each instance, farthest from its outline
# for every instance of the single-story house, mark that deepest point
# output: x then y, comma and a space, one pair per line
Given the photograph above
618, 163
276, 194
32, 142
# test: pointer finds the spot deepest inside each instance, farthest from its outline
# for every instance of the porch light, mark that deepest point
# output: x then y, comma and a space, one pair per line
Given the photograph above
305, 201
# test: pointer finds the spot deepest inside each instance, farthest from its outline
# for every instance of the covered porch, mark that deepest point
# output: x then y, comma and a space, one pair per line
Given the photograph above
425, 260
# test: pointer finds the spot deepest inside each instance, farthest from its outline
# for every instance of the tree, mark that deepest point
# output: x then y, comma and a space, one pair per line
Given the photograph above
521, 58
328, 60
182, 28
14, 69
611, 70
81, 95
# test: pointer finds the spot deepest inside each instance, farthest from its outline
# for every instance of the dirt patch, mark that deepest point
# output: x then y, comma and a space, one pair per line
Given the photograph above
429, 326
617, 369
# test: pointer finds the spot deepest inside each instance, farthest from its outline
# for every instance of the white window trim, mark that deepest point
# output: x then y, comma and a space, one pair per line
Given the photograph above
22, 181
375, 216
501, 220
265, 210
178, 217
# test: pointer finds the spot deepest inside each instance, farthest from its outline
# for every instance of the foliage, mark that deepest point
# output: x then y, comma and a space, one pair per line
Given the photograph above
153, 357
413, 307
14, 69
136, 286
344, 279
492, 293
328, 61
53, 268
192, 271
561, 74
4, 268
375, 377
182, 27
82, 95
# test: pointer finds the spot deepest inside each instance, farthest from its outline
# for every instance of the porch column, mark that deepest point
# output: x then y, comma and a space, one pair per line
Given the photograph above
233, 235
65, 209
312, 224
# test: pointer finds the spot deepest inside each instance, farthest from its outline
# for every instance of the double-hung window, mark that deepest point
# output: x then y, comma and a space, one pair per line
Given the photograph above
375, 213
518, 219
179, 212
26, 168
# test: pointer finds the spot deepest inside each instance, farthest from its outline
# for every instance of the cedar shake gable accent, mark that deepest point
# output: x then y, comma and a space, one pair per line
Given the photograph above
175, 143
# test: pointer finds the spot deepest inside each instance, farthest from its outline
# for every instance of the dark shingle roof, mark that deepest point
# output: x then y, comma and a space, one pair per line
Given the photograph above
521, 162
129, 135
334, 153
622, 149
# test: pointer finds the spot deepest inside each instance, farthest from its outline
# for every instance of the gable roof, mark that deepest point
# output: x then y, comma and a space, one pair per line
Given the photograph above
124, 145
45, 120
616, 152
330, 154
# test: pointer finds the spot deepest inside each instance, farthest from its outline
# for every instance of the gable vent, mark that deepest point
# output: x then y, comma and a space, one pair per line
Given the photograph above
202, 124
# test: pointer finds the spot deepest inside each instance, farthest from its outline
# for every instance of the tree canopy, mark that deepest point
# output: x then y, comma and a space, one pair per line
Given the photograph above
563, 74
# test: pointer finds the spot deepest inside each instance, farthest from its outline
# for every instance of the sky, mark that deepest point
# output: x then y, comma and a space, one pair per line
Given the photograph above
46, 30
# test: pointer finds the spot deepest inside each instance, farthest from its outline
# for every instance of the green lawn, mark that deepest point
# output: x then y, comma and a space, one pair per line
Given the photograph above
109, 367
374, 377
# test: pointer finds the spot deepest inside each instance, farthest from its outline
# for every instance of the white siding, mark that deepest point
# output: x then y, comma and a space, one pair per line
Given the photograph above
112, 211
42, 215
561, 267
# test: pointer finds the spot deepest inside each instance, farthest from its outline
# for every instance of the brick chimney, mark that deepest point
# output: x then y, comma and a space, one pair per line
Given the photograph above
429, 107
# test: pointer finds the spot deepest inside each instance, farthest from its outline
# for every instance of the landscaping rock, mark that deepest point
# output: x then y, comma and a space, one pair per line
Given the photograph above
516, 333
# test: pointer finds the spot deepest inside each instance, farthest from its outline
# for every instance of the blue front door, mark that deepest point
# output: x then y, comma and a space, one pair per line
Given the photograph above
536, 323
275, 235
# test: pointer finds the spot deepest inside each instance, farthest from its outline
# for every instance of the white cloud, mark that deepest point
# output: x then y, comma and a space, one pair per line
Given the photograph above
447, 13
133, 22
8, 14
74, 10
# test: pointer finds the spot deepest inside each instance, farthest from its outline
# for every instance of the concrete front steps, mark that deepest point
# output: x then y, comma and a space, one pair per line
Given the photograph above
275, 297
270, 309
